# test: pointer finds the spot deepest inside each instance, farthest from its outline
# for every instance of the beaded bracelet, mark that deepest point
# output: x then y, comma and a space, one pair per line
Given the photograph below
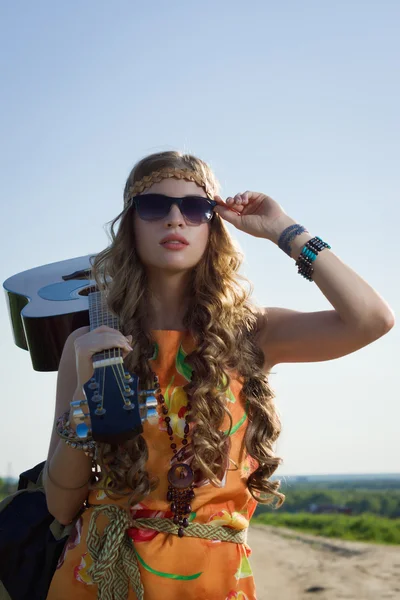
308, 255
68, 435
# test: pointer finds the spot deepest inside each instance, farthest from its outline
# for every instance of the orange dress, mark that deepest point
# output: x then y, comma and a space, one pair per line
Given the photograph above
171, 567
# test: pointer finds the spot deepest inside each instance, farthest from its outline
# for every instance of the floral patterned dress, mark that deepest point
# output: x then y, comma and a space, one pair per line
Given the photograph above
173, 567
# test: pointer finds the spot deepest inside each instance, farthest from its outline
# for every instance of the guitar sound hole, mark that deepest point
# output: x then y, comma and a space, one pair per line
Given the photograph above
87, 290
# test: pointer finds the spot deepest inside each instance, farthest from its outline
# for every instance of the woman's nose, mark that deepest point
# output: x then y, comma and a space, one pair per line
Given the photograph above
174, 217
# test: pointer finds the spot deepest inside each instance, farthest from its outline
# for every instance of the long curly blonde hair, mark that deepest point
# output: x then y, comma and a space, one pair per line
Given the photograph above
223, 323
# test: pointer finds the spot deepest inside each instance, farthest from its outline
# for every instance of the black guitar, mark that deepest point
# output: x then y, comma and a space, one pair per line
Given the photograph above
45, 305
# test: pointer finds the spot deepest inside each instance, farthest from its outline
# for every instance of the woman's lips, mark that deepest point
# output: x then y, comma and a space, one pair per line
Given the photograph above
174, 241
174, 245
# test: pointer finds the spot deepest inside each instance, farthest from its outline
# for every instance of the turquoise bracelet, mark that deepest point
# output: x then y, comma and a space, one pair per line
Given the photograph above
308, 255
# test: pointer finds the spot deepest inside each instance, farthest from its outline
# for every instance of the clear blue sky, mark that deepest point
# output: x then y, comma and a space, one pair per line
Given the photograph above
299, 100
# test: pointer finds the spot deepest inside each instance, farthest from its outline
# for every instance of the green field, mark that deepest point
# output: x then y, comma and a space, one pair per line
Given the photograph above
363, 528
374, 503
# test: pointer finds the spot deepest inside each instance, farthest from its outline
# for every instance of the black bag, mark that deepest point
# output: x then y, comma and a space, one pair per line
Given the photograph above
29, 549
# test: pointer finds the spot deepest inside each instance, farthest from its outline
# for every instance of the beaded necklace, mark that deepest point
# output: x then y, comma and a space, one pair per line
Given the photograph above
180, 475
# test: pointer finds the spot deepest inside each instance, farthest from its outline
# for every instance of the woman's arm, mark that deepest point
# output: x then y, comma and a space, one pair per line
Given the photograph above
361, 315
69, 468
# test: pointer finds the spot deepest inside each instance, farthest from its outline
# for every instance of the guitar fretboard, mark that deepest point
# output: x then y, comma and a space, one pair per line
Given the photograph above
99, 314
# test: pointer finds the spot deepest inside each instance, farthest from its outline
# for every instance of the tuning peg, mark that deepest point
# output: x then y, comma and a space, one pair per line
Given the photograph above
151, 401
128, 392
77, 414
151, 409
147, 392
96, 398
82, 430
78, 403
152, 416
128, 406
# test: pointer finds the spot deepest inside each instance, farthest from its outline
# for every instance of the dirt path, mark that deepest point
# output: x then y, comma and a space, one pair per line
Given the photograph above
289, 565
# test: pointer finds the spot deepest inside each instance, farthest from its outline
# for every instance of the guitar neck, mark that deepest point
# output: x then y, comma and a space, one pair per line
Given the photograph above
99, 313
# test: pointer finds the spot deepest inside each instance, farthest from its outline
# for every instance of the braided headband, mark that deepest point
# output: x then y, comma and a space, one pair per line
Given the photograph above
147, 181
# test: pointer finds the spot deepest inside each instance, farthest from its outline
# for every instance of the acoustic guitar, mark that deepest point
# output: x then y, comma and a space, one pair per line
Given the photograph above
45, 305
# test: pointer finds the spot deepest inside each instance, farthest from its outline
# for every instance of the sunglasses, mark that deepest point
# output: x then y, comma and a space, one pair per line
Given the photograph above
195, 209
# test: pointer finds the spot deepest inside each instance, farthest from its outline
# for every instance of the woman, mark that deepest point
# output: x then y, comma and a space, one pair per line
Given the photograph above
197, 474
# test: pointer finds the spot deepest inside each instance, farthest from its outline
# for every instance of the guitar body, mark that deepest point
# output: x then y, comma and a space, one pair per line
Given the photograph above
45, 305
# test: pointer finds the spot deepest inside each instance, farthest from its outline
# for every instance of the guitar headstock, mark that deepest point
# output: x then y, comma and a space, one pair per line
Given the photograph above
113, 401
117, 408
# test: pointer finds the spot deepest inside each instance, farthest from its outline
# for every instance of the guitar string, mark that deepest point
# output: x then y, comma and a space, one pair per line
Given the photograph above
116, 351
99, 305
118, 370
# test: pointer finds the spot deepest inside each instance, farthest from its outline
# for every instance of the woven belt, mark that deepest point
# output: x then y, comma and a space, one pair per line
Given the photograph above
114, 559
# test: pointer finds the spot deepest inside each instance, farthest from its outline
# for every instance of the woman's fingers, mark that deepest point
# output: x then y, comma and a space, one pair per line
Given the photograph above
236, 202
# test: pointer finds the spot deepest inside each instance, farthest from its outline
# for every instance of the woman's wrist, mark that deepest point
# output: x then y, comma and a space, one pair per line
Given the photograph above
290, 236
74, 430
297, 244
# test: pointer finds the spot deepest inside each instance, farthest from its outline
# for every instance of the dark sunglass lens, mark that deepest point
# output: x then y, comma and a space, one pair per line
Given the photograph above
152, 207
197, 209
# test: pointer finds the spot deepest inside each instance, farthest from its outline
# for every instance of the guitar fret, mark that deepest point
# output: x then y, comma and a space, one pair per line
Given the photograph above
99, 314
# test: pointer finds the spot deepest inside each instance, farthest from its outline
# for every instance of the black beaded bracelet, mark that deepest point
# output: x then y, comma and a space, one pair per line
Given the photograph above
305, 267
308, 255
